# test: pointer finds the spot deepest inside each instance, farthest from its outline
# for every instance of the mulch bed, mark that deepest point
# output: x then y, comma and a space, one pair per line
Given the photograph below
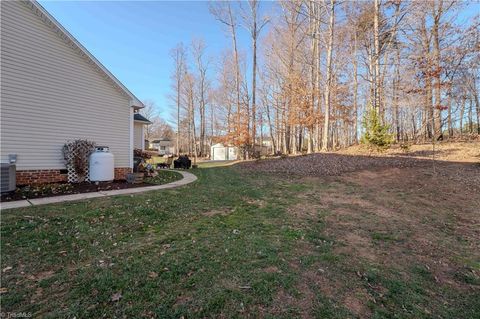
56, 189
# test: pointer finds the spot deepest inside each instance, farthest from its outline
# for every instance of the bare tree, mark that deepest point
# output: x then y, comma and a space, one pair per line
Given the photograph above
329, 76
179, 58
255, 25
198, 49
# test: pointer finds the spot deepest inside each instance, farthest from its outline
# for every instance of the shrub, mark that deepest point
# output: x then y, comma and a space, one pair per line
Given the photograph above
376, 135
142, 154
405, 147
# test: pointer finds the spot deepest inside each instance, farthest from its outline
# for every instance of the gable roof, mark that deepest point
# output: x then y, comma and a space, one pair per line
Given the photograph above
75, 44
140, 118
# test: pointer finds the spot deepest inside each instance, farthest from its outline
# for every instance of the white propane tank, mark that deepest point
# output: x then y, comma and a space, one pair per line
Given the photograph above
101, 165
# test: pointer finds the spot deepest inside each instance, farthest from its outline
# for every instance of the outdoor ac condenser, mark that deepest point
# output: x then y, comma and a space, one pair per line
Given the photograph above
8, 179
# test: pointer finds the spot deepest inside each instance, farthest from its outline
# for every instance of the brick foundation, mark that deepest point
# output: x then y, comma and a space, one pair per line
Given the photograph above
44, 176
121, 172
40, 176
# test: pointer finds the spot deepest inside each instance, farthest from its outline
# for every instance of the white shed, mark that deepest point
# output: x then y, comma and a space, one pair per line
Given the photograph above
220, 152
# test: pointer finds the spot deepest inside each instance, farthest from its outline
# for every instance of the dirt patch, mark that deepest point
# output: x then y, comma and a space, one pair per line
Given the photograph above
301, 210
271, 269
217, 212
42, 275
256, 202
182, 300
356, 303
356, 245
418, 222
283, 301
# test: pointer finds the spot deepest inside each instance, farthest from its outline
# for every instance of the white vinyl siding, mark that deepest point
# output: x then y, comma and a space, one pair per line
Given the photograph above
138, 135
51, 94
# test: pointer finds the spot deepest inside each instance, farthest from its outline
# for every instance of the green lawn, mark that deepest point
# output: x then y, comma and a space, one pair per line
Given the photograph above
238, 244
164, 177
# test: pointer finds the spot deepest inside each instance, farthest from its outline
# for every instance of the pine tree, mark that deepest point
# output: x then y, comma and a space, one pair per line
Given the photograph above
377, 136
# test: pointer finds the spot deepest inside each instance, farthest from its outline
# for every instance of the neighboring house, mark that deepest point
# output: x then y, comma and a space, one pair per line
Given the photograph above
164, 146
221, 152
139, 122
53, 91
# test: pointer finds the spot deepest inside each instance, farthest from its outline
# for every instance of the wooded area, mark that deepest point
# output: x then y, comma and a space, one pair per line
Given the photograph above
315, 70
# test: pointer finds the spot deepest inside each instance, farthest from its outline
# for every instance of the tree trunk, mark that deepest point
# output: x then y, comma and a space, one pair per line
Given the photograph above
329, 77
177, 150
470, 116
462, 113
355, 88
449, 102
254, 32
428, 107
437, 122
376, 35
396, 80
477, 103
270, 126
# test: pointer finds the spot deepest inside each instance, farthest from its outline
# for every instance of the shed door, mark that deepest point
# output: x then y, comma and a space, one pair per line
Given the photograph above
231, 153
219, 153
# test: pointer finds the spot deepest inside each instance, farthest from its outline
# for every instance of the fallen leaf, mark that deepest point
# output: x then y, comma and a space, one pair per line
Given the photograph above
6, 269
116, 296
152, 274
3, 290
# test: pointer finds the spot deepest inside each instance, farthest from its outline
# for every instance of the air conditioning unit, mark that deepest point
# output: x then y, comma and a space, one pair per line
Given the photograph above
8, 180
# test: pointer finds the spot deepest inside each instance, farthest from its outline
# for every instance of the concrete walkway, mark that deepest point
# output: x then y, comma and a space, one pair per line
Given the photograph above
187, 179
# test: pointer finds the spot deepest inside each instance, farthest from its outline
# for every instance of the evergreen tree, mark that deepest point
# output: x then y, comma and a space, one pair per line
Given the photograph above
377, 136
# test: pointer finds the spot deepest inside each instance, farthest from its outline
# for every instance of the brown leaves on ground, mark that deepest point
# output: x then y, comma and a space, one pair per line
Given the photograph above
457, 162
325, 164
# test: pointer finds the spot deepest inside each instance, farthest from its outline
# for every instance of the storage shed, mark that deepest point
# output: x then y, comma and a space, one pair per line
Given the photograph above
220, 152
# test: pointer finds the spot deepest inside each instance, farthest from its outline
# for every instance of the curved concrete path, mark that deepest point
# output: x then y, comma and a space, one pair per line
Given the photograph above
187, 179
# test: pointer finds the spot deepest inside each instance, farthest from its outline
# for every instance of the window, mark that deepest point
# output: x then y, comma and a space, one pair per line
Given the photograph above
163, 148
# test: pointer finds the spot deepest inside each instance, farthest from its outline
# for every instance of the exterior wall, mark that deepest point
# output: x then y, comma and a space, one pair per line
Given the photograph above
168, 150
55, 176
51, 93
138, 135
164, 147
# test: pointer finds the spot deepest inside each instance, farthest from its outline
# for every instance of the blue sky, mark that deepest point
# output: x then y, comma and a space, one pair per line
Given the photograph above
133, 38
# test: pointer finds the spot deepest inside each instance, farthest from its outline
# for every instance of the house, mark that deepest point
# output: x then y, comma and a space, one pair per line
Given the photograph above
165, 146
53, 91
222, 152
139, 122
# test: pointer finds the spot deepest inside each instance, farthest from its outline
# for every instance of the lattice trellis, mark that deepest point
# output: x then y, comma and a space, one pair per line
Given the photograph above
76, 155
73, 177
